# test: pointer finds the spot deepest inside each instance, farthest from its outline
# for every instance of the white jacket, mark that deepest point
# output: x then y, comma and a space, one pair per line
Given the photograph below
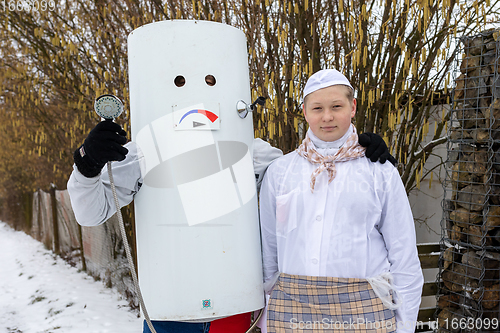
358, 226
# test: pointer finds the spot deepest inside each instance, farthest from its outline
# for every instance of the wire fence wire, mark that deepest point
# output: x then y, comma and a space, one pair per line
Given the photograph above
468, 293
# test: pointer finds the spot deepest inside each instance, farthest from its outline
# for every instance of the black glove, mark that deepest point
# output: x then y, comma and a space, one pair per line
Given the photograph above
376, 149
103, 144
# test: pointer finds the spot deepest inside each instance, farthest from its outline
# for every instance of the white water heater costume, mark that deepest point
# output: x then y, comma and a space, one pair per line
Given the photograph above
198, 238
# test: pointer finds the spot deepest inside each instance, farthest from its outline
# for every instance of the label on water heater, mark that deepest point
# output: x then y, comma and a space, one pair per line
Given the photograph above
206, 304
198, 117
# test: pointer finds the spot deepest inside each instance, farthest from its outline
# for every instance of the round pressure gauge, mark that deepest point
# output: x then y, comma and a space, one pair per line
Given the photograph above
108, 106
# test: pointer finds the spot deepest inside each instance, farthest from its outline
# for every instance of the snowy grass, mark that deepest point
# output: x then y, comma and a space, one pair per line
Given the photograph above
41, 293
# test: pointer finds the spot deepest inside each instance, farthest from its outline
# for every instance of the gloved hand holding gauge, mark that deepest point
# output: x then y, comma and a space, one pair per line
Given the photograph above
102, 146
105, 141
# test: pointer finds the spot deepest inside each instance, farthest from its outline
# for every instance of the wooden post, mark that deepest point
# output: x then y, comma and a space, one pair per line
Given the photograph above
82, 253
55, 225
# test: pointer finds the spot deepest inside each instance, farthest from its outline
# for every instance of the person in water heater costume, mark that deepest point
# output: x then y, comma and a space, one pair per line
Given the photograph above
90, 192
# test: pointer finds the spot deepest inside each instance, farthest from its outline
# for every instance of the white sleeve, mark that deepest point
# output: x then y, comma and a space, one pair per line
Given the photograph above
263, 155
267, 201
92, 199
398, 229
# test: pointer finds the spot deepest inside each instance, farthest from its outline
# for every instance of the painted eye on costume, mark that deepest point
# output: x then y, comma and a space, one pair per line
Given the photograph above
179, 81
210, 80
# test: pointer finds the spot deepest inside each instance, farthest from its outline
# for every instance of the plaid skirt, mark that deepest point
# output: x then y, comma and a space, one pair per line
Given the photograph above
325, 304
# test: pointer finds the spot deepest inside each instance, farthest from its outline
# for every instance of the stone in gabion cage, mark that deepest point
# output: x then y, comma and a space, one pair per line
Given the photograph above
468, 296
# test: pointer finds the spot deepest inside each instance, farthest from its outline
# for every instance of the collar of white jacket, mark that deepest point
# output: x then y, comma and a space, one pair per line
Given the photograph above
329, 147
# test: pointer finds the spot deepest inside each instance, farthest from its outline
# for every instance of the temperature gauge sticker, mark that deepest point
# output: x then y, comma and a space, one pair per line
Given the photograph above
197, 117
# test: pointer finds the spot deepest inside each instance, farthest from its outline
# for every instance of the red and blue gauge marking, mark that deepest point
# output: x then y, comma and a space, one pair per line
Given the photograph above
210, 115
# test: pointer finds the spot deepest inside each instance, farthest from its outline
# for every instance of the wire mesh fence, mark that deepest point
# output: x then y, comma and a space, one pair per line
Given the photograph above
468, 296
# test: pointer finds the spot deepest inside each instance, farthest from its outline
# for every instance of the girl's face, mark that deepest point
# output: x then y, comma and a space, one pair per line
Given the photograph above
328, 112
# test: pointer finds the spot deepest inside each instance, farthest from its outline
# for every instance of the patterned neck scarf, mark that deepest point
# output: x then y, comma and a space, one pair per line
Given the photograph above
350, 150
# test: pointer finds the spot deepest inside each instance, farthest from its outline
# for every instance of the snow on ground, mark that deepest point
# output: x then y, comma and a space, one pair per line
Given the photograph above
41, 293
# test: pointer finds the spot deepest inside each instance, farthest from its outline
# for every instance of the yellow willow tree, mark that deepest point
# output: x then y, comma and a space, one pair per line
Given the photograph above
54, 62
397, 54
51, 68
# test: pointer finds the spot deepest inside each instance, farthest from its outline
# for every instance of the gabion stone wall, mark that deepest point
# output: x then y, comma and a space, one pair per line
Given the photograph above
468, 299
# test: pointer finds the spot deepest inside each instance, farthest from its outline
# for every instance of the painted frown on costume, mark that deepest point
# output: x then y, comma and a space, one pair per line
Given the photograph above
196, 213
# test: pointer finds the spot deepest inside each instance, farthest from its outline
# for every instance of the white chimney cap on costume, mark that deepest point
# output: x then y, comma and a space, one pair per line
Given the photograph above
325, 78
